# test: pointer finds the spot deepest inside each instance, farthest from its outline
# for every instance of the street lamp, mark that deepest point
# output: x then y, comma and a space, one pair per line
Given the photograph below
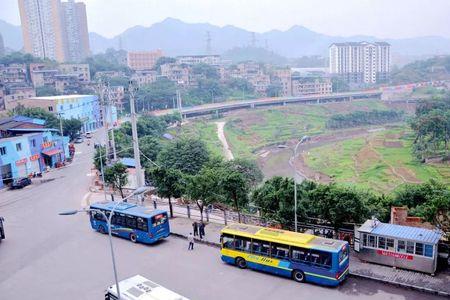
292, 164
138, 191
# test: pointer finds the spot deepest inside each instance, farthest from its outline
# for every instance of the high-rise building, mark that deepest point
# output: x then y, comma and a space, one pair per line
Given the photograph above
54, 30
75, 20
361, 62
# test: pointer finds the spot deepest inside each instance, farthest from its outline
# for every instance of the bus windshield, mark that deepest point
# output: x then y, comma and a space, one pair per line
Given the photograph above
159, 220
343, 254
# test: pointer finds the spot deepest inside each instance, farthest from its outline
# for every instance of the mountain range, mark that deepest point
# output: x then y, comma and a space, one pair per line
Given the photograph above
176, 37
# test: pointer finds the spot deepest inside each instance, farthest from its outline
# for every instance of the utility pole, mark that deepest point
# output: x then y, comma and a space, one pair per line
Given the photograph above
208, 42
113, 141
137, 155
179, 105
61, 132
100, 89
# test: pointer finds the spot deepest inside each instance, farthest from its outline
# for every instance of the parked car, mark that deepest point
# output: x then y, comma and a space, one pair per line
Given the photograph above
20, 183
88, 135
78, 140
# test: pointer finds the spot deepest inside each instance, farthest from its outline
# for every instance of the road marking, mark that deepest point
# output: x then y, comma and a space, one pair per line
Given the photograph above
85, 202
90, 174
78, 152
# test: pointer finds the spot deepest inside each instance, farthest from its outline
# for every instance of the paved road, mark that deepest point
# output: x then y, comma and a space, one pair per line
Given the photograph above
46, 256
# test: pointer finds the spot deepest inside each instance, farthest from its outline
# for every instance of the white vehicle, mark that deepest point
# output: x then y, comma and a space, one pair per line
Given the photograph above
140, 288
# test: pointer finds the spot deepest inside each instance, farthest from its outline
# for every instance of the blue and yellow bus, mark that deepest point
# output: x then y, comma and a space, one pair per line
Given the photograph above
302, 257
137, 223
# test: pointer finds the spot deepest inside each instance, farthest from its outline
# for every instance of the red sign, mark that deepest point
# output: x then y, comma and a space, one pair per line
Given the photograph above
34, 157
395, 254
21, 161
47, 144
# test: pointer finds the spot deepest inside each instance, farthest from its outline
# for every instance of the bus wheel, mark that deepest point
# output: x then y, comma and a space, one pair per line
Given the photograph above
241, 263
298, 276
133, 238
101, 229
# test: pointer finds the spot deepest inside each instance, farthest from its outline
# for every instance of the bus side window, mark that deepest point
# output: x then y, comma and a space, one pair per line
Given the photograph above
260, 247
280, 251
321, 258
299, 254
242, 243
142, 224
228, 241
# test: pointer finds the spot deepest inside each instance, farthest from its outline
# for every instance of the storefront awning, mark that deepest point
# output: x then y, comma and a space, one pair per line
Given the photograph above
51, 152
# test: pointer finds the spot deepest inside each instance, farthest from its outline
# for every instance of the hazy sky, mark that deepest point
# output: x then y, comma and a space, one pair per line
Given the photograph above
381, 18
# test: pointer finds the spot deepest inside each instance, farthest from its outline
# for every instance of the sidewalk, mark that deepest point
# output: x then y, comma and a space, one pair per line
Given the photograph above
181, 226
439, 284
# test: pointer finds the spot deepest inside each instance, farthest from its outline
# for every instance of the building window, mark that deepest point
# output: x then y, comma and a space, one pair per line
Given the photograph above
401, 246
372, 241
33, 142
50, 108
428, 250
19, 147
419, 249
382, 242
410, 247
390, 244
2, 150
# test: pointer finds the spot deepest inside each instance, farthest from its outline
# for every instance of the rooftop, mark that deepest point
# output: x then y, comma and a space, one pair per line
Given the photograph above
401, 231
61, 97
129, 208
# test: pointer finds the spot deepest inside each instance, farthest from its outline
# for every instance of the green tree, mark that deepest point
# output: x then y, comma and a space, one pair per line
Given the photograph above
72, 127
116, 176
51, 121
249, 170
168, 183
159, 94
99, 157
202, 188
205, 71
185, 154
150, 147
338, 205
274, 89
234, 186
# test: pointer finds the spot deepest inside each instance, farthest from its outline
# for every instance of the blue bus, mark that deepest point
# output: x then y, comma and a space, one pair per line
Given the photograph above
130, 221
302, 257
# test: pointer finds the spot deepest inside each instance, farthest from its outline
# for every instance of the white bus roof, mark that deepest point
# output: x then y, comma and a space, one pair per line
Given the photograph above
140, 288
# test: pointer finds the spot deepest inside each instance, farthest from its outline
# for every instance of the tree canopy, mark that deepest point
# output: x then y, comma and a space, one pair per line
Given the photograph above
116, 176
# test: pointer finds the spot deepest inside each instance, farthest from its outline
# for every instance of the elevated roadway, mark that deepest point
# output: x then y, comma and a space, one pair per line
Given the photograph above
216, 108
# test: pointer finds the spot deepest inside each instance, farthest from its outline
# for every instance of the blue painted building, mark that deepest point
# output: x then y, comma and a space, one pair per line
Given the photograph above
83, 107
27, 147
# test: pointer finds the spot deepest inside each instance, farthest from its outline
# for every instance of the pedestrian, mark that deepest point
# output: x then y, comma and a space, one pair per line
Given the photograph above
195, 228
201, 228
191, 241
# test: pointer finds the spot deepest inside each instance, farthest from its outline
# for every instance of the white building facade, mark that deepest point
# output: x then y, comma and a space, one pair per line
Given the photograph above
361, 63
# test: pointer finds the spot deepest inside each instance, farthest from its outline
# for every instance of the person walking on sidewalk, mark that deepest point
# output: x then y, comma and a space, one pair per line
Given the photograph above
195, 228
191, 241
201, 229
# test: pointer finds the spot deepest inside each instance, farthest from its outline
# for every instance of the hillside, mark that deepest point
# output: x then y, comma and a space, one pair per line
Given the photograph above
176, 37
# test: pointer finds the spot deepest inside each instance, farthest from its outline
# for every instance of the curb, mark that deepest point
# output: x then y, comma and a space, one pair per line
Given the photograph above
402, 285
398, 284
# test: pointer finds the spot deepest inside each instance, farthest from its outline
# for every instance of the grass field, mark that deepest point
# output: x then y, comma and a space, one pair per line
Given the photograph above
248, 131
382, 161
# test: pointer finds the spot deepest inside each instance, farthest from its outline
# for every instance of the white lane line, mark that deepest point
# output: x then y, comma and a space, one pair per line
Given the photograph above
85, 201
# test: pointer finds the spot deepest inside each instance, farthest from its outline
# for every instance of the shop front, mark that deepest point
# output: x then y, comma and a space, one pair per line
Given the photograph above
52, 157
398, 246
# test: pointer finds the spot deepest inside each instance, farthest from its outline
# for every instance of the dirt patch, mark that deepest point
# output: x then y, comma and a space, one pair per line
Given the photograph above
406, 174
366, 157
309, 173
409, 108
394, 136
392, 144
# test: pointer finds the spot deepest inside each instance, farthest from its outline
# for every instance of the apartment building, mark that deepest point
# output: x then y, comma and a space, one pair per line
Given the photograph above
144, 77
75, 21
362, 62
54, 30
199, 59
178, 73
83, 107
283, 77
143, 60
81, 71
13, 74
13, 94
302, 86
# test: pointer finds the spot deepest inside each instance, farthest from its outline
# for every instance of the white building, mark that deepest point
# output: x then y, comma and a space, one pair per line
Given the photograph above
361, 62
199, 59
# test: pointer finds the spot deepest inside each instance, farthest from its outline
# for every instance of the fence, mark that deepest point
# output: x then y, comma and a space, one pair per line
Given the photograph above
222, 216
